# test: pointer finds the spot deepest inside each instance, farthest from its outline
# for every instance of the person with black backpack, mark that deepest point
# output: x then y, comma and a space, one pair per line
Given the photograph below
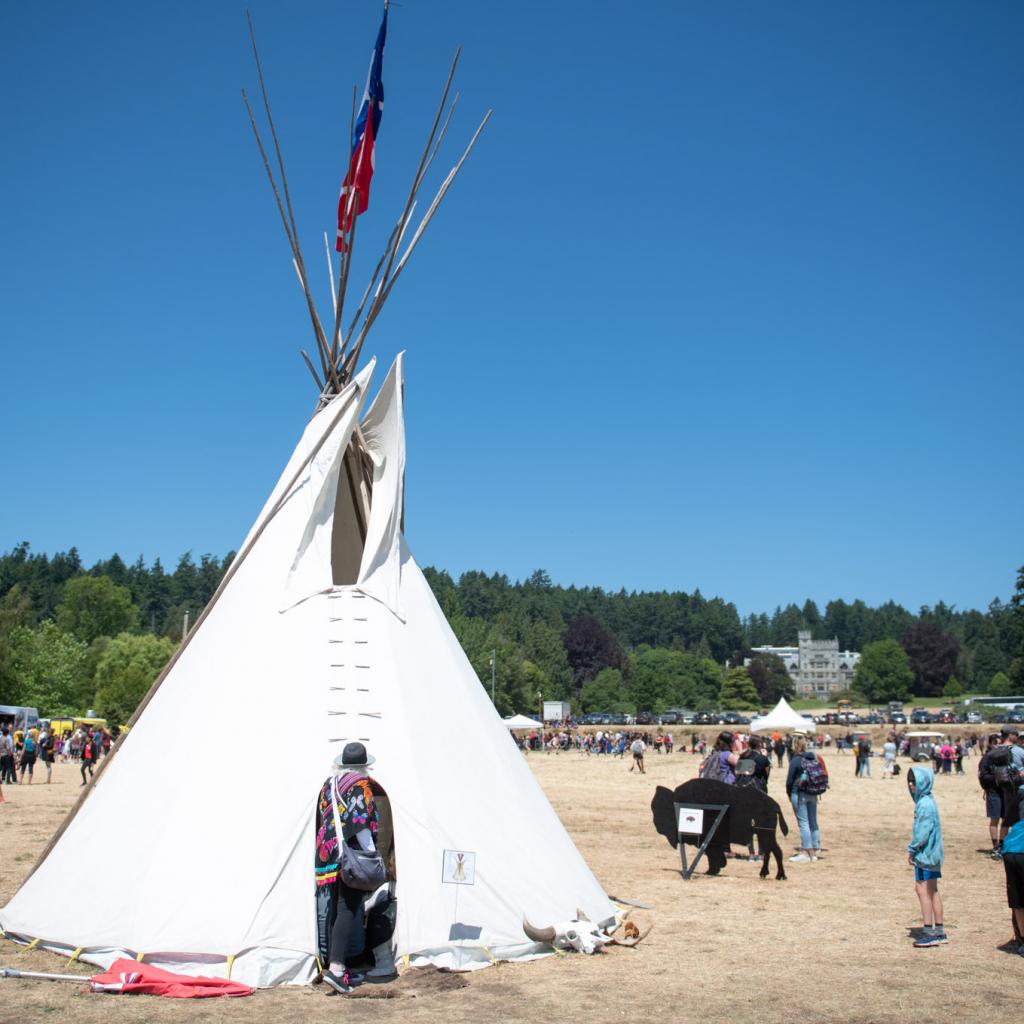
994, 775
28, 755
806, 781
864, 757
753, 767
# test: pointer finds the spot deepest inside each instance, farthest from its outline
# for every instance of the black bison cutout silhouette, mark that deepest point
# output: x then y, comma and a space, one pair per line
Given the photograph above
750, 813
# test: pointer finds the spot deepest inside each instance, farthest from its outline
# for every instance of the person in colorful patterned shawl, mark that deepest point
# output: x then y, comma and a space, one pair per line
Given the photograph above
337, 904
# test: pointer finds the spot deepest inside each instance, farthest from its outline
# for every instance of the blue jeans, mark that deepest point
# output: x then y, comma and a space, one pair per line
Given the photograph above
805, 807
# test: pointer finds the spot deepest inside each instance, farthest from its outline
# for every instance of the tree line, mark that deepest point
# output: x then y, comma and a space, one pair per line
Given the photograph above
73, 637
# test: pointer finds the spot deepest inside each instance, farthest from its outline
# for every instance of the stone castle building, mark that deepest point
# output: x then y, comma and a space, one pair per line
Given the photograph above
817, 667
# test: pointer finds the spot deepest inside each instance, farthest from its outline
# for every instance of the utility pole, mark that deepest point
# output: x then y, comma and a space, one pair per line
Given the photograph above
184, 625
494, 660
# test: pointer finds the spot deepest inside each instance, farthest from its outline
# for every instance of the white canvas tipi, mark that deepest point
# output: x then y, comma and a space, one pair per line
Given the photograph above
194, 849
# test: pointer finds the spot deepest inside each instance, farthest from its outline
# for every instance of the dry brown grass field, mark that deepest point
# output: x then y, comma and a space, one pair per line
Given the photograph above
830, 944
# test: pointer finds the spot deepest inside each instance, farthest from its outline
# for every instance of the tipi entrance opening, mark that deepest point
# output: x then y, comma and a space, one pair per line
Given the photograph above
352, 504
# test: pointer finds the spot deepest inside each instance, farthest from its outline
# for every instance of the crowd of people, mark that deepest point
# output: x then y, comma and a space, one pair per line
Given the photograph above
22, 749
737, 759
733, 758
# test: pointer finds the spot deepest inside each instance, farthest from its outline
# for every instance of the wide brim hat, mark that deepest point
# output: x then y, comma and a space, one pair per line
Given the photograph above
353, 757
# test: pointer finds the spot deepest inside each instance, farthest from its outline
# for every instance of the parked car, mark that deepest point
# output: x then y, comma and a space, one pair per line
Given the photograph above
644, 718
945, 716
1015, 717
898, 718
874, 719
733, 718
920, 716
975, 718
668, 718
705, 718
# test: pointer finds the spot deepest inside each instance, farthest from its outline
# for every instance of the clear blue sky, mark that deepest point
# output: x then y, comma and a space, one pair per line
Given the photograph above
729, 295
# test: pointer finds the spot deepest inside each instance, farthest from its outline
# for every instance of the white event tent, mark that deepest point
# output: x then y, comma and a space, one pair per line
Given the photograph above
781, 718
521, 722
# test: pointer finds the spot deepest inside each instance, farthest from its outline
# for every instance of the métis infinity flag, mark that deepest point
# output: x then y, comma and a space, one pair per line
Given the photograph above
364, 136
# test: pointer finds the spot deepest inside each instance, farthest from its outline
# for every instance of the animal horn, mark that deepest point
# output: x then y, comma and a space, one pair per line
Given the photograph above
581, 915
539, 934
634, 940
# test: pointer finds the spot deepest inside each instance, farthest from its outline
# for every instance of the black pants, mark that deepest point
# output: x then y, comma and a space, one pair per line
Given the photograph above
348, 903
7, 769
86, 764
380, 922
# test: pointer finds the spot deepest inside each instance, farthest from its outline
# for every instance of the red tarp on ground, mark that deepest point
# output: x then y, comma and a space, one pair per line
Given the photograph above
131, 976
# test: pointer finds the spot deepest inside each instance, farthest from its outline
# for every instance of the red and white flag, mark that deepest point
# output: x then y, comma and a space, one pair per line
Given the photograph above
129, 976
355, 189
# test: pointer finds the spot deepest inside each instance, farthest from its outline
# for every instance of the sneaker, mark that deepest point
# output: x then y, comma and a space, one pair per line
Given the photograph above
800, 858
1020, 949
941, 937
929, 939
339, 982
997, 853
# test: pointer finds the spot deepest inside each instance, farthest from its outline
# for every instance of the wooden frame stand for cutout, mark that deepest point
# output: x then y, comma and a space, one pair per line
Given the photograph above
722, 809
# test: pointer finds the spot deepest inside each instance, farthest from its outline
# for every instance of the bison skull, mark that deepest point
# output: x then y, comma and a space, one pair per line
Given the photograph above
583, 936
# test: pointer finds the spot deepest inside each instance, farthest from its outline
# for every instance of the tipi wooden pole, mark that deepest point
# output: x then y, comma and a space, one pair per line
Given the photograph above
277, 151
318, 330
385, 290
319, 384
151, 693
398, 230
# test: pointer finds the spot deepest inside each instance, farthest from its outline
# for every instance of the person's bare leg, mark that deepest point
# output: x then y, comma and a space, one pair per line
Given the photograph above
924, 898
936, 899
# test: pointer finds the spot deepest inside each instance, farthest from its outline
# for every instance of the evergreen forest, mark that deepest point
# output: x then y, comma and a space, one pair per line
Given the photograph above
76, 637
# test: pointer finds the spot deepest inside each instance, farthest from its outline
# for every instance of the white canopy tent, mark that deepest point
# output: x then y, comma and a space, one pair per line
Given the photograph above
781, 718
521, 722
203, 863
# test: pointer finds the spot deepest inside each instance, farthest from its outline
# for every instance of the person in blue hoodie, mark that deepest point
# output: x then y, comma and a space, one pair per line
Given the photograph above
925, 854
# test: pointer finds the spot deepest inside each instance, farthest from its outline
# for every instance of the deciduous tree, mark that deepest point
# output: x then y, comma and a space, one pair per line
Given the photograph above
884, 672
605, 692
50, 668
95, 606
589, 647
125, 672
771, 678
932, 656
